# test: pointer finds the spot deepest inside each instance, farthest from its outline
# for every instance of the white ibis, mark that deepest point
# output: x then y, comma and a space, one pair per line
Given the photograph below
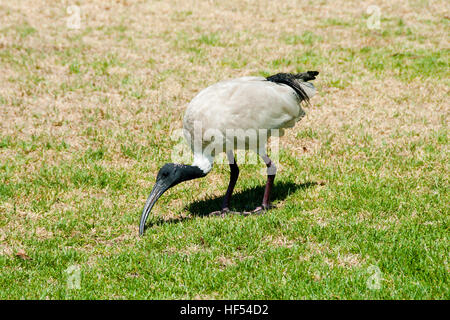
248, 103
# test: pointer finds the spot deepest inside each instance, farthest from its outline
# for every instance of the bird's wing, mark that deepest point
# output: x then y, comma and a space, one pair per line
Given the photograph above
244, 103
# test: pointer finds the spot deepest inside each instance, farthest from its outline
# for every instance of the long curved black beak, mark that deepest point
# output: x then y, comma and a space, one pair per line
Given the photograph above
168, 176
157, 191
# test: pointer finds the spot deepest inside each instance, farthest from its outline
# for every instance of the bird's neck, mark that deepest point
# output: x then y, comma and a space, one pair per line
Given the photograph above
203, 162
190, 172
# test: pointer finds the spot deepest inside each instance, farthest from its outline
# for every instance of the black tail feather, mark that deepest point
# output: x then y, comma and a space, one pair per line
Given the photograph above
307, 76
290, 80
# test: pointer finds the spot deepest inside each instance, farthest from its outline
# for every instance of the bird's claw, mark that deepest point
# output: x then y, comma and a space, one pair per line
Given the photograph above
222, 212
259, 210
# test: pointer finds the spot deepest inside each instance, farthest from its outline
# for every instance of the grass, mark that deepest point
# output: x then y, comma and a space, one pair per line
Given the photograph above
86, 121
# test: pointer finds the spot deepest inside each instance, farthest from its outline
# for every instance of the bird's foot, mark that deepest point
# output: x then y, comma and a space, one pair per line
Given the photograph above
222, 212
259, 210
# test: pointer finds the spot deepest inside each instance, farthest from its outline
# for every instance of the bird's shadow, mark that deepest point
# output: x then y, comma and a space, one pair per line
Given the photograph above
245, 200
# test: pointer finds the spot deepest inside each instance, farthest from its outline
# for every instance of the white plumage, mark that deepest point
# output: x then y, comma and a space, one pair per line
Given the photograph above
247, 103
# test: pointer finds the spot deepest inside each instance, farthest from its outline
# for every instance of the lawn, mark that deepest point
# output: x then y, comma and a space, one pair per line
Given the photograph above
86, 118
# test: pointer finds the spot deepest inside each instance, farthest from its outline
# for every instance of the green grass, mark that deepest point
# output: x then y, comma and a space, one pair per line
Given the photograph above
368, 217
86, 122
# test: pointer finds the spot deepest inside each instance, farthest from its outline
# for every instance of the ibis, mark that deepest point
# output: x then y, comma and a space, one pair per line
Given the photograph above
245, 104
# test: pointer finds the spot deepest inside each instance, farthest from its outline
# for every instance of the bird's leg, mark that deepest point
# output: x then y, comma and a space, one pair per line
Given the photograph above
234, 174
271, 171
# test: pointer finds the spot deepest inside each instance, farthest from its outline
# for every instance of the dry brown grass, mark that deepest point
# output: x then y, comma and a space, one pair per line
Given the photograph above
249, 29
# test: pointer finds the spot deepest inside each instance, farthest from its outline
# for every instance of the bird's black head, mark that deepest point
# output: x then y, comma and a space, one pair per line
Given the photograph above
168, 176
